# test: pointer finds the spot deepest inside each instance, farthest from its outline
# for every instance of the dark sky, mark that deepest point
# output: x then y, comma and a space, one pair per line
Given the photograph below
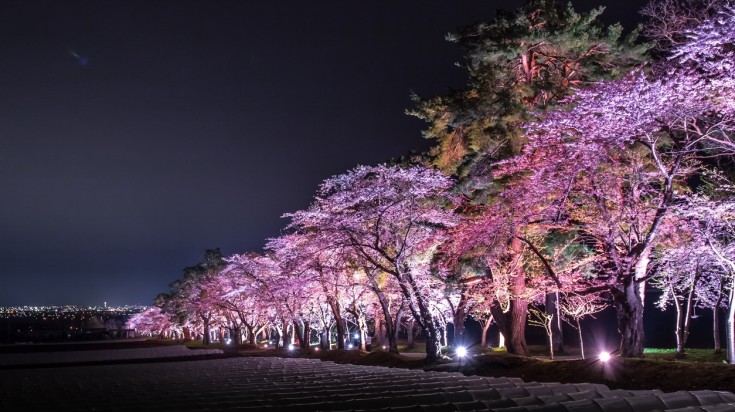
135, 134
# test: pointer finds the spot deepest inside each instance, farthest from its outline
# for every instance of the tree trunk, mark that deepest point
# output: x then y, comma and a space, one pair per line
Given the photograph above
324, 339
731, 328
459, 316
423, 318
485, 328
237, 331
716, 317
284, 333
629, 307
679, 330
390, 329
380, 330
337, 313
581, 340
516, 336
410, 325
205, 336
551, 307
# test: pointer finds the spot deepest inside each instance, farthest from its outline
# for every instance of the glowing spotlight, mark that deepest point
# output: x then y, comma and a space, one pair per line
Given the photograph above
461, 352
316, 349
290, 347
228, 341
604, 356
350, 346
357, 336
265, 346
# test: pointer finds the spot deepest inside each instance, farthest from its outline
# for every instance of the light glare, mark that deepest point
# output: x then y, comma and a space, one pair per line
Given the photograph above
461, 351
604, 356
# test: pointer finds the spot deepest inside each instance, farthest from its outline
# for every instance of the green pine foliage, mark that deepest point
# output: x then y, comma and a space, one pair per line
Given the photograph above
519, 64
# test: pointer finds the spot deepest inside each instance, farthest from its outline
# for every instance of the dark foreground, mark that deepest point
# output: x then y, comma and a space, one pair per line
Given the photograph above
300, 384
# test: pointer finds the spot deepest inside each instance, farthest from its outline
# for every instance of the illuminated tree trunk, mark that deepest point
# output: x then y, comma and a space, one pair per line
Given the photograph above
485, 328
731, 328
551, 307
390, 327
423, 317
716, 317
581, 340
629, 308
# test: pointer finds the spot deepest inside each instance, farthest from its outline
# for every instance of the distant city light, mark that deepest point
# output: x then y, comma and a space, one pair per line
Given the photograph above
604, 356
461, 351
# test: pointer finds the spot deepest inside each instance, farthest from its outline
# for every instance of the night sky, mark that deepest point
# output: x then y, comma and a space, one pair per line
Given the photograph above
136, 134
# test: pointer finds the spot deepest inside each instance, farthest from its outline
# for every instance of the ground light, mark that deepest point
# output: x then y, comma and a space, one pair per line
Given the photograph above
604, 356
461, 352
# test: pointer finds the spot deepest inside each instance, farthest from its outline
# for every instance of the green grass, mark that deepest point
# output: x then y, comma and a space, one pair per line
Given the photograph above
689, 355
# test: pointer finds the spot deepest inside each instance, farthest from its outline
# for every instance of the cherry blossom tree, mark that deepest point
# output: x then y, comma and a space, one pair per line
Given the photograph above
393, 219
714, 221
669, 21
575, 307
314, 255
153, 322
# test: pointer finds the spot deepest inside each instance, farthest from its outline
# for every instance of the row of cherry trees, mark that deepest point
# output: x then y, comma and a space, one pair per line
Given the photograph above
580, 173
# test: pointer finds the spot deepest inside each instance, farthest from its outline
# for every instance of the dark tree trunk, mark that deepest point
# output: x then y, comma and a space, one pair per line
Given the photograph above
284, 333
459, 316
305, 335
237, 331
324, 341
205, 336
551, 307
629, 306
410, 326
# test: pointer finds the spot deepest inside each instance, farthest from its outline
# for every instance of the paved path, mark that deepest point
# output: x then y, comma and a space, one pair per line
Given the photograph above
302, 385
38, 358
